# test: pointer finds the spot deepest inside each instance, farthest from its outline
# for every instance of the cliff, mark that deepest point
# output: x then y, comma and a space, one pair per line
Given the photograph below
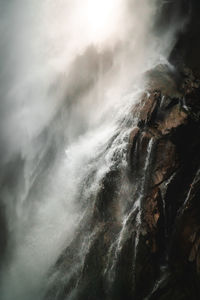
155, 252
149, 247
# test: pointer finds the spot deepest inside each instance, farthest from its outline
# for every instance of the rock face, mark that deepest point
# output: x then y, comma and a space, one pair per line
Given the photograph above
140, 235
170, 208
149, 248
188, 43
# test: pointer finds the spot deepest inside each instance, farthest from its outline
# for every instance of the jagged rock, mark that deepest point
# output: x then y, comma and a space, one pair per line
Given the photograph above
156, 249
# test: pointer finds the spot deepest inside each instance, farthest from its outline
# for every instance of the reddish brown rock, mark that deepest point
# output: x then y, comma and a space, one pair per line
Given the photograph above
175, 118
144, 222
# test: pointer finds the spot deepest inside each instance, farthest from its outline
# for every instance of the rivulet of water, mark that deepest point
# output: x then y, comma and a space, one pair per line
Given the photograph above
71, 72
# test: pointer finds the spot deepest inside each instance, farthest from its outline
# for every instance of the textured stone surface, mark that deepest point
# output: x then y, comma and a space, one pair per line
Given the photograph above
155, 252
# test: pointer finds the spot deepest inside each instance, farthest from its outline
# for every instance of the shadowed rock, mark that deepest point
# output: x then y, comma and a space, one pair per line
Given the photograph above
155, 250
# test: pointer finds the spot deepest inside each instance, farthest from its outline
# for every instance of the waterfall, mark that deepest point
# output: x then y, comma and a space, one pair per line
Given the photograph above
72, 72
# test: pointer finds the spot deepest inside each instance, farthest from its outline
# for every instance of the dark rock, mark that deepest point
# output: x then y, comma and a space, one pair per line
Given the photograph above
155, 253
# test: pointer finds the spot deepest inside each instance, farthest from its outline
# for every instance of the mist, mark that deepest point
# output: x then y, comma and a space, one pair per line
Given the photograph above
70, 71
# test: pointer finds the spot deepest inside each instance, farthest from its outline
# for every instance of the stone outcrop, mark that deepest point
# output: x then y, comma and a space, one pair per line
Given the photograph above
155, 252
170, 207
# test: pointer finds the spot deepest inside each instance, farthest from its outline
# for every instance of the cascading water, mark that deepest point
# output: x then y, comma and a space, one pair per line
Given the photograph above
73, 73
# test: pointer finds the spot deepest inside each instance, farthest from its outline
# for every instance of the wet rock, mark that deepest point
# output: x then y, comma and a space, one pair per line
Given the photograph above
173, 119
165, 161
140, 238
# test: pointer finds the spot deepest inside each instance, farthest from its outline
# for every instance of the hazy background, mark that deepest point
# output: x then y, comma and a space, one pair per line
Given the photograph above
67, 67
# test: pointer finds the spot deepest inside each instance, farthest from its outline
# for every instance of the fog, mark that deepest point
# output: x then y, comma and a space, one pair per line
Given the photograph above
70, 70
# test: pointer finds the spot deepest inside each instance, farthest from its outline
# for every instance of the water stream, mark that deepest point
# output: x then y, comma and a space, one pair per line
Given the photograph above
71, 73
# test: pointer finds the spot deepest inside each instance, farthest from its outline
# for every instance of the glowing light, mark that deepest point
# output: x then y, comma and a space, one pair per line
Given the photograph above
101, 16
